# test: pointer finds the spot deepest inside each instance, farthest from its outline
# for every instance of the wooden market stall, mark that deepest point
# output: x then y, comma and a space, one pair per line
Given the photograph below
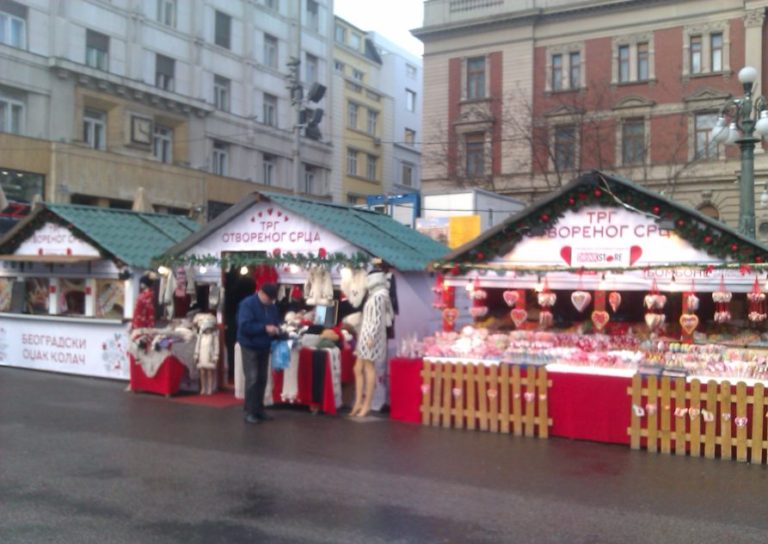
301, 244
559, 308
68, 281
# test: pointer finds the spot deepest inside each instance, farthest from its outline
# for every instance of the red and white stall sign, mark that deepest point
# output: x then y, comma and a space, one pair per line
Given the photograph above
595, 237
67, 346
52, 239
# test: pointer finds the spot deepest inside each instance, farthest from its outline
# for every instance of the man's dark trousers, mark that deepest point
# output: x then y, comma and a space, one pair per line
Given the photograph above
255, 368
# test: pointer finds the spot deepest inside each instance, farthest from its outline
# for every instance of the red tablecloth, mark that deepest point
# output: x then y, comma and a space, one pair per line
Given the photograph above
165, 382
405, 389
590, 407
582, 406
328, 404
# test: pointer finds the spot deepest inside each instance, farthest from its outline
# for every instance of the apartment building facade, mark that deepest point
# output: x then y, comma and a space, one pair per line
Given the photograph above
525, 95
187, 99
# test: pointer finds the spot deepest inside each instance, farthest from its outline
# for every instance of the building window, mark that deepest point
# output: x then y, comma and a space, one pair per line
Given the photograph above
557, 72
340, 33
164, 72
474, 149
271, 4
352, 110
309, 179
642, 62
166, 12
574, 69
221, 87
623, 63
370, 170
358, 75
313, 15
13, 24
633, 142
220, 159
354, 41
695, 52
716, 52
710, 210
270, 110
162, 145
411, 71
565, 148
703, 123
339, 66
270, 51
410, 136
410, 100
372, 119
476, 78
96, 50
223, 30
269, 168
94, 128
406, 174
11, 115
312, 68
351, 162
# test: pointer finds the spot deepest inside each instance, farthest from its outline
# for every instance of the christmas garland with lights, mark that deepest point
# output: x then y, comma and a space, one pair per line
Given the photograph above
598, 192
277, 258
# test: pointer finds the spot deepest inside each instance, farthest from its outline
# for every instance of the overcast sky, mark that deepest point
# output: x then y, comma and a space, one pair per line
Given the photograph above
393, 19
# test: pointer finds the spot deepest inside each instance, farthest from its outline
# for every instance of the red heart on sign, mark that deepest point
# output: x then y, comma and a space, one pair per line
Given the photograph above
519, 316
565, 253
511, 297
635, 252
600, 319
269, 211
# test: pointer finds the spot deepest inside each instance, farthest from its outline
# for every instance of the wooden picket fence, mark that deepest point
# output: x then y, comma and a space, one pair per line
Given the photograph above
712, 420
502, 398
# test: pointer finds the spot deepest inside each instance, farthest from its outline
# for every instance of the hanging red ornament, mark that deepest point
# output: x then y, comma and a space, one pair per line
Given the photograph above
654, 303
478, 308
571, 201
680, 222
734, 247
722, 299
756, 298
322, 253
479, 256
656, 210
438, 302
544, 217
582, 196
598, 193
707, 239
276, 252
546, 297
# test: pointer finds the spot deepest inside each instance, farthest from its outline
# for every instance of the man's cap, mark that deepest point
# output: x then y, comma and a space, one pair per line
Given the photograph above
270, 289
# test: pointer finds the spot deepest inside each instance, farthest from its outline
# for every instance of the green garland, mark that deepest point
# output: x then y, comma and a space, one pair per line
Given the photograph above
701, 235
303, 260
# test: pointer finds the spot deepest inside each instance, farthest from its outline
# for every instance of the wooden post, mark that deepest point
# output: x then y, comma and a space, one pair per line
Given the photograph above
482, 398
710, 441
694, 413
517, 410
725, 421
471, 406
666, 413
543, 399
530, 403
758, 411
447, 399
681, 418
493, 399
653, 417
503, 393
458, 382
741, 422
635, 422
426, 392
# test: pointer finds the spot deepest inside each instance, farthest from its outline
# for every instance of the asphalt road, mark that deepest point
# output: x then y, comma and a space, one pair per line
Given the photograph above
82, 461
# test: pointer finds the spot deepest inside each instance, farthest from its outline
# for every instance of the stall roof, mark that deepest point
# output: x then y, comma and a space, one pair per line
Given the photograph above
375, 233
609, 190
132, 238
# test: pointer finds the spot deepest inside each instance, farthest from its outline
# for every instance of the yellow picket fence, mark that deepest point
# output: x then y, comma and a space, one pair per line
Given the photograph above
713, 420
502, 398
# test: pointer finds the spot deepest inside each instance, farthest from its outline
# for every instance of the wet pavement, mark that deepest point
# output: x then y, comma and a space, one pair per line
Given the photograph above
82, 461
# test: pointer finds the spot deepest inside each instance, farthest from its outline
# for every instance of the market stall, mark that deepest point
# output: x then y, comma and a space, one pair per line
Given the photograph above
68, 281
316, 251
595, 283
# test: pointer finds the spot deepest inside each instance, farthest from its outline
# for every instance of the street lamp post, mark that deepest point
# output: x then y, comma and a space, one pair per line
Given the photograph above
748, 124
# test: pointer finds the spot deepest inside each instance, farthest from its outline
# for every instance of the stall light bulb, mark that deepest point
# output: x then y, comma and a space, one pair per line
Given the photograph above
163, 270
294, 269
203, 269
244, 271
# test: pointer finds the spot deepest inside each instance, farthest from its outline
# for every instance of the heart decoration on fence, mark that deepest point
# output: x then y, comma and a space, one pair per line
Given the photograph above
519, 316
689, 322
529, 396
492, 394
425, 388
614, 300
511, 297
457, 392
741, 421
600, 319
580, 300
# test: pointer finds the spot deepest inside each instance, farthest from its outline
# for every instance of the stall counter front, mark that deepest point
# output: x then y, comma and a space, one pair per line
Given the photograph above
84, 346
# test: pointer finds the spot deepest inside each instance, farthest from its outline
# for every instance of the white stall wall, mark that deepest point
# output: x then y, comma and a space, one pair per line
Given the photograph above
85, 347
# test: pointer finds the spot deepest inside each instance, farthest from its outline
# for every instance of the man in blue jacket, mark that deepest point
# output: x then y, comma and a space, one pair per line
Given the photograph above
257, 325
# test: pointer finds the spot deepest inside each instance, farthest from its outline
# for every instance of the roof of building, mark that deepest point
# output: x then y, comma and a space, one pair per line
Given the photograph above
378, 235
128, 237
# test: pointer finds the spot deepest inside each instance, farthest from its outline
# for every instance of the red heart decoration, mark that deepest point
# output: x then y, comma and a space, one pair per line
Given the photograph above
492, 394
635, 252
279, 213
285, 217
519, 316
322, 253
450, 315
689, 322
261, 214
600, 319
565, 253
269, 211
253, 219
511, 297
